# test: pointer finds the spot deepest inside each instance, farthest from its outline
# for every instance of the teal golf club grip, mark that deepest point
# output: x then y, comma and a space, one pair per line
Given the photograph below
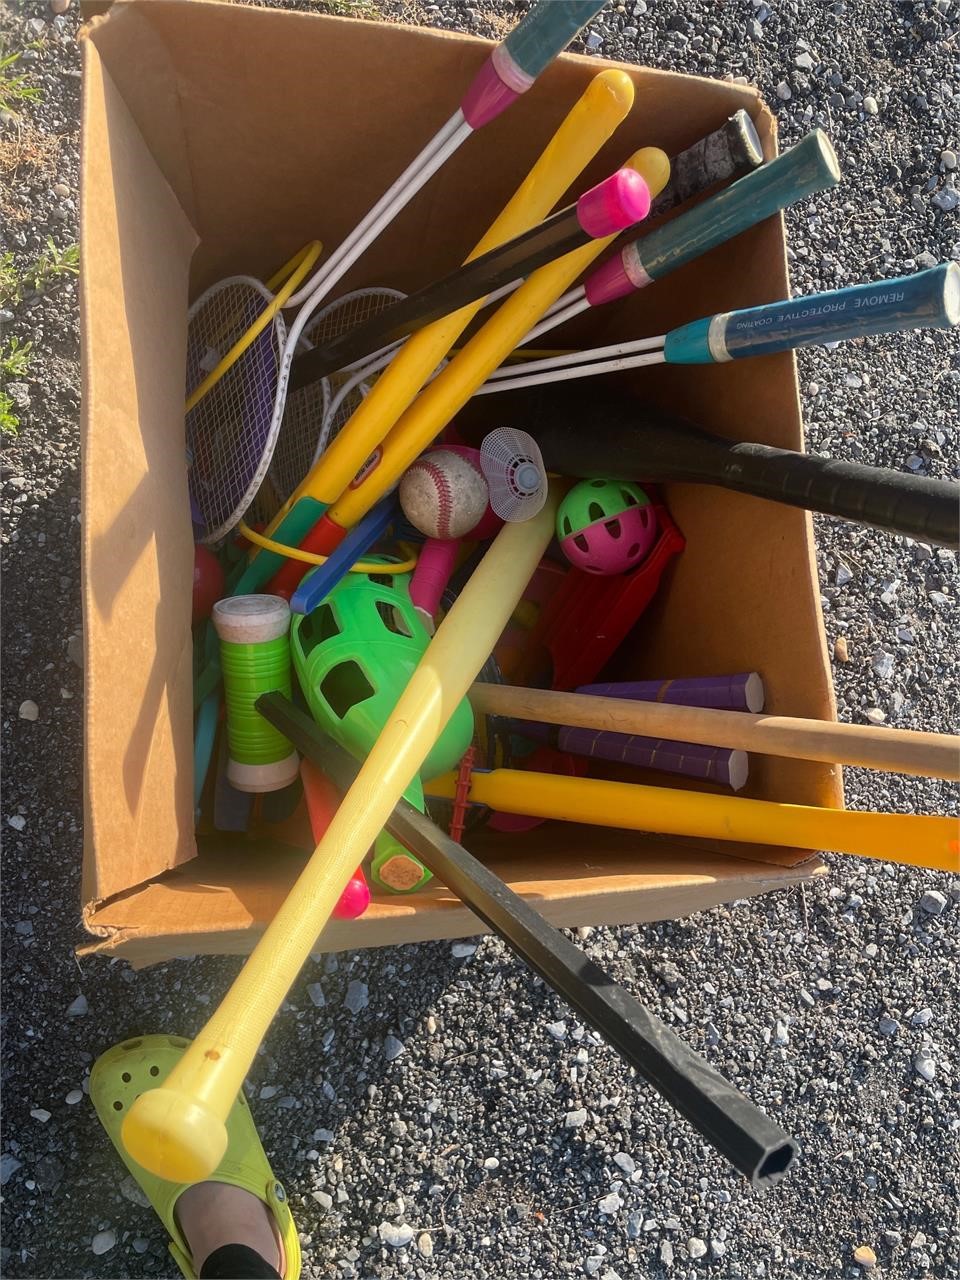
546, 31
929, 299
808, 167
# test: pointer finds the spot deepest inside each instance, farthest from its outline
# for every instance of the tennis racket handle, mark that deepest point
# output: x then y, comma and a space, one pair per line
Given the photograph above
929, 299
917, 506
435, 565
527, 51
323, 800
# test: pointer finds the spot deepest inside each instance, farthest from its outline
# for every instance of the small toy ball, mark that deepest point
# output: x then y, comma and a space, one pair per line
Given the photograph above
208, 583
444, 494
606, 526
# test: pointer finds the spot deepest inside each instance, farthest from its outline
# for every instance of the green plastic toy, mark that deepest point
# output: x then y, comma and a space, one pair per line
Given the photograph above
353, 656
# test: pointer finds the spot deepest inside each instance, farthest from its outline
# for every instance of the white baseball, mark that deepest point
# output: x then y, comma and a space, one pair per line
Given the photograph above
443, 494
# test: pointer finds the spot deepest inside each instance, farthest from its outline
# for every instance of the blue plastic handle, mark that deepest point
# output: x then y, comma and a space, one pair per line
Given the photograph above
929, 299
546, 31
321, 581
808, 167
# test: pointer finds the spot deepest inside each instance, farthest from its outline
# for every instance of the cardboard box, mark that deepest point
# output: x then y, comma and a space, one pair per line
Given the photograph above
218, 139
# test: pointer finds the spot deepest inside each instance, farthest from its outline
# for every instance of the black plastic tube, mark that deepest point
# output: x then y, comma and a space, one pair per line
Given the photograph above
755, 1146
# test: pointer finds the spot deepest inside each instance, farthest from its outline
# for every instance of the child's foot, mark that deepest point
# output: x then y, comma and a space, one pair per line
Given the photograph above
213, 1214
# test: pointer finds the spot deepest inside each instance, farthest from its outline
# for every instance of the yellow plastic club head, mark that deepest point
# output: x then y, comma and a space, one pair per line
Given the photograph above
174, 1136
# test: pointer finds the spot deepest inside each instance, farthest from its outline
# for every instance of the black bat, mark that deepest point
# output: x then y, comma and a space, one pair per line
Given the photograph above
754, 1145
603, 432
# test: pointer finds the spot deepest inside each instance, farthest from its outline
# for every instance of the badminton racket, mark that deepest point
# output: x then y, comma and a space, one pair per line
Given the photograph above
805, 169
611, 206
232, 446
928, 299
592, 434
313, 413
590, 123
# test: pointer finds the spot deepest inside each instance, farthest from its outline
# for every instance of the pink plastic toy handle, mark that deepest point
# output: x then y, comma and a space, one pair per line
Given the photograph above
435, 566
323, 800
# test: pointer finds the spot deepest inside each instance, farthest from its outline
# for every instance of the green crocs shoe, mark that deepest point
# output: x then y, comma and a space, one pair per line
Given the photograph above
119, 1076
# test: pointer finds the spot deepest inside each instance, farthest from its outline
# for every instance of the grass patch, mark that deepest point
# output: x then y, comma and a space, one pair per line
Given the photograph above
52, 265
15, 87
14, 363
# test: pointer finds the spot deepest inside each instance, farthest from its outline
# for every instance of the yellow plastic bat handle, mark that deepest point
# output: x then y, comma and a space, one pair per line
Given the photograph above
907, 838
452, 388
178, 1131
604, 105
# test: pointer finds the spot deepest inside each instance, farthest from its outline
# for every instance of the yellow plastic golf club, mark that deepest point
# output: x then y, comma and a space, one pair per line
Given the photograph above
178, 1131
602, 107
452, 388
911, 839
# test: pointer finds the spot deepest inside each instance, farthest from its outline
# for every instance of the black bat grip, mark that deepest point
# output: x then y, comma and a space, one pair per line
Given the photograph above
608, 434
918, 506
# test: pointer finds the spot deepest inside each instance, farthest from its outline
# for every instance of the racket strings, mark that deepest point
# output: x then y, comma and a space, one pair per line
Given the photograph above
228, 428
313, 414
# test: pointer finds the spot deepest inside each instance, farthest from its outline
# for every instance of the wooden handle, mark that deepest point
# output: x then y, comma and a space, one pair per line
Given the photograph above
914, 840
178, 1131
924, 755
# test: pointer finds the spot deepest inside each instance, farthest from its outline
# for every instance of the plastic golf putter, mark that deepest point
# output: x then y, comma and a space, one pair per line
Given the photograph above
924, 755
911, 839
454, 386
753, 1143
602, 106
178, 1131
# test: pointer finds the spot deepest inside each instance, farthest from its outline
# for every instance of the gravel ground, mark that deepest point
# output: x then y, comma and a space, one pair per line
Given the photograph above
459, 1121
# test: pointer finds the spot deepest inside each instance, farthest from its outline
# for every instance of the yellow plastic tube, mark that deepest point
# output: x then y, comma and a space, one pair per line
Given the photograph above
452, 388
911, 839
178, 1131
604, 105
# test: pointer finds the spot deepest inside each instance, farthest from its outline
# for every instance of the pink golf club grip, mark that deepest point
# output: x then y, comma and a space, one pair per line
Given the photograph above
436, 563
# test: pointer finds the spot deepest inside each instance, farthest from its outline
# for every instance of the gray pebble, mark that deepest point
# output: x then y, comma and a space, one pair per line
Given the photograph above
396, 1237
933, 902
666, 1253
575, 1119
924, 1065
625, 1162
874, 715
357, 997
425, 1244
315, 992
610, 1204
888, 1026
883, 664
140, 1245
870, 105
28, 710
78, 1008
696, 1247
804, 61
557, 1029
948, 161
392, 1048
103, 1242
322, 1198
461, 950
922, 1018
947, 199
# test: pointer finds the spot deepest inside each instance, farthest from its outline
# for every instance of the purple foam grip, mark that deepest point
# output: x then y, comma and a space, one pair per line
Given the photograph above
614, 204
709, 764
742, 692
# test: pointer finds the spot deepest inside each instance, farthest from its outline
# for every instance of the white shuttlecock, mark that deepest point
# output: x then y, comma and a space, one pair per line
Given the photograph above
515, 473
